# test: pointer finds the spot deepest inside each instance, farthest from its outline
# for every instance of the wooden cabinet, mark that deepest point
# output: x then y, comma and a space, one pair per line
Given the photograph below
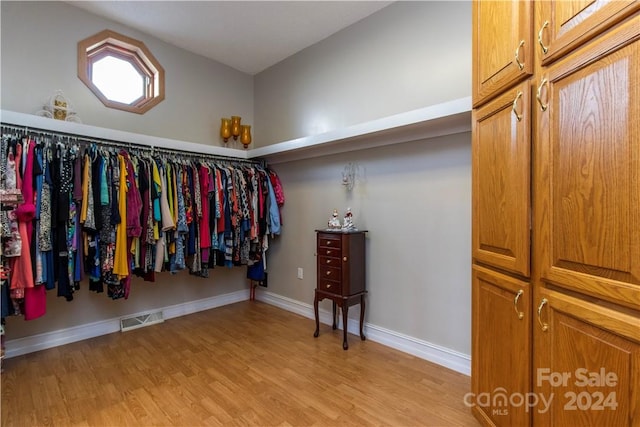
341, 276
589, 169
583, 166
502, 343
501, 181
566, 25
587, 363
587, 232
502, 38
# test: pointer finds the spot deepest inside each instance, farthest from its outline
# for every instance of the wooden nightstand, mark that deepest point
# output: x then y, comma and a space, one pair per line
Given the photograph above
341, 275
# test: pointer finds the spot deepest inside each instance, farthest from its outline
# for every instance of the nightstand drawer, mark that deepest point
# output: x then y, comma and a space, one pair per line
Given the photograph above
329, 273
329, 252
330, 241
329, 261
329, 286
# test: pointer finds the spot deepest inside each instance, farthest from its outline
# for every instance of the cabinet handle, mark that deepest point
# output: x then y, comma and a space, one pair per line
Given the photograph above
515, 304
344, 259
543, 325
520, 64
545, 49
543, 107
515, 104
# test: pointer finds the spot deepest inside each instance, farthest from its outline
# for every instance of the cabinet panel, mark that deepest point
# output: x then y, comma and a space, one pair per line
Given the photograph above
341, 276
501, 181
502, 46
588, 164
330, 286
501, 348
587, 364
571, 23
329, 241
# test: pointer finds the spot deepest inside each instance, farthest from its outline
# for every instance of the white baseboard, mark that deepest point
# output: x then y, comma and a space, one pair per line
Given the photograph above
20, 346
443, 356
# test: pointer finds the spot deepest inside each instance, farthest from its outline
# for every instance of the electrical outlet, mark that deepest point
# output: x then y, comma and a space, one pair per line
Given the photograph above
300, 273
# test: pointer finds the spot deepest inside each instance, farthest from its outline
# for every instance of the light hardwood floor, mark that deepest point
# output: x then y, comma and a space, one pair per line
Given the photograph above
242, 364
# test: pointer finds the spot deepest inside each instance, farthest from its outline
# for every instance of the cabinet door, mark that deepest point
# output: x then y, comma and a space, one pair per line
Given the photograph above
588, 169
502, 46
501, 348
501, 181
587, 364
565, 25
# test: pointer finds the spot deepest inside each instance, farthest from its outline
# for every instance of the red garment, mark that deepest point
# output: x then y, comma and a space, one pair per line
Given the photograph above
35, 297
205, 233
134, 201
22, 269
35, 302
220, 190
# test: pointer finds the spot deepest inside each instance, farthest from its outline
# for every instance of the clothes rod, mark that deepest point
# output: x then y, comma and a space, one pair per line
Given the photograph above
80, 130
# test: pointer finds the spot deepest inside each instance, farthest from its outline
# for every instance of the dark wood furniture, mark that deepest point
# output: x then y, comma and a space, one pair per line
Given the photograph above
341, 275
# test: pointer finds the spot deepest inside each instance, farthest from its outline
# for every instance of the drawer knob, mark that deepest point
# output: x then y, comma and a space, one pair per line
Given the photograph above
328, 261
328, 252
344, 259
329, 243
328, 273
328, 286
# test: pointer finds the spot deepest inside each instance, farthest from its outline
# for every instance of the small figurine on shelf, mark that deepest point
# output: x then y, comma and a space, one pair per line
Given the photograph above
60, 108
348, 225
334, 221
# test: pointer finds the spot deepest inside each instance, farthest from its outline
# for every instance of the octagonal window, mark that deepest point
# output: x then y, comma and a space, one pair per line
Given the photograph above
121, 72
118, 80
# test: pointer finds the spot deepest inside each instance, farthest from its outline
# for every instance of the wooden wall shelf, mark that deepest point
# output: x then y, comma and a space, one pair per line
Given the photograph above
447, 118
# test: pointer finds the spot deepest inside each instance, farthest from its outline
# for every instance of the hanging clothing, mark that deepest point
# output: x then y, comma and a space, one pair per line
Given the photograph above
120, 266
105, 214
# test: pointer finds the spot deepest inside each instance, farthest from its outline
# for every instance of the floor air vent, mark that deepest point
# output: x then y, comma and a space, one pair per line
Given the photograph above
129, 323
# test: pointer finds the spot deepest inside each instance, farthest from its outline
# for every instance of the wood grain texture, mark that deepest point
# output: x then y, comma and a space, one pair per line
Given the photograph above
588, 192
504, 25
572, 23
501, 348
584, 339
501, 153
243, 364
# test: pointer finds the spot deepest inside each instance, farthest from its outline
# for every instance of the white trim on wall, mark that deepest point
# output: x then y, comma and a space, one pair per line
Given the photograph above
20, 346
448, 358
443, 356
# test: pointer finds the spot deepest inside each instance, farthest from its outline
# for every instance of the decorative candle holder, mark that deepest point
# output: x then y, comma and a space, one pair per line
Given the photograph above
235, 127
225, 129
245, 135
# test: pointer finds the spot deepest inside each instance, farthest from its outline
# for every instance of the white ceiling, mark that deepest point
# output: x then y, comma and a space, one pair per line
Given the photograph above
249, 36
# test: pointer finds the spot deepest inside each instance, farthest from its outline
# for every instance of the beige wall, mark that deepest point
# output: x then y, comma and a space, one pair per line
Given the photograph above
39, 56
406, 56
39, 42
414, 198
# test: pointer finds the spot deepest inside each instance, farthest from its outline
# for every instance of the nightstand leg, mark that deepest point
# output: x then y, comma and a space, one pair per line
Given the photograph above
315, 311
335, 318
362, 307
345, 318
